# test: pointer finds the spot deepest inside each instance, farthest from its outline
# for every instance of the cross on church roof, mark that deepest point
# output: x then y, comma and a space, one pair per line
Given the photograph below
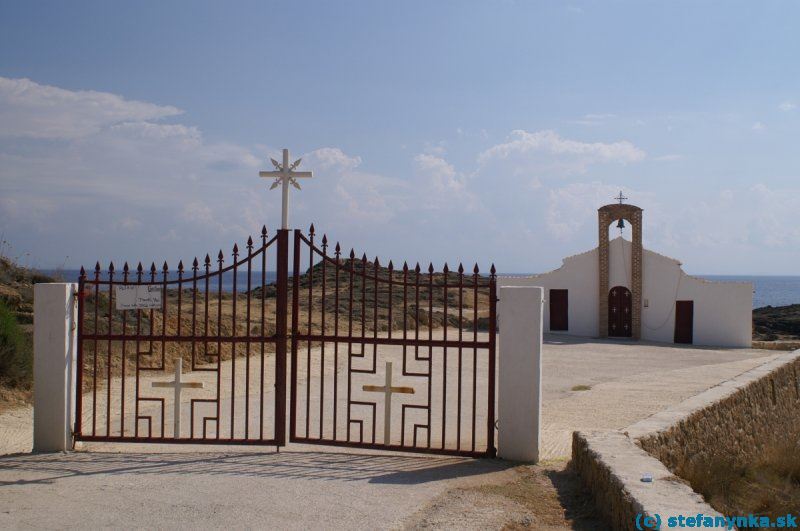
621, 197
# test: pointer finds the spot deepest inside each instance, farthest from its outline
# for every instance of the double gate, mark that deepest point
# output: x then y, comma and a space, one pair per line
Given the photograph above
399, 358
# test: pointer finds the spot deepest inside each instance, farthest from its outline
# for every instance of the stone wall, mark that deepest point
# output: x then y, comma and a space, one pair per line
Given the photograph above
734, 421
611, 466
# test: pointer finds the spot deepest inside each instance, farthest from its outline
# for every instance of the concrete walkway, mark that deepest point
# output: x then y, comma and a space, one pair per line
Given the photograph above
628, 382
304, 487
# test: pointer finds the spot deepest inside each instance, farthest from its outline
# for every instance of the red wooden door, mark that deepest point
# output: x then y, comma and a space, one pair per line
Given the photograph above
620, 312
684, 321
559, 309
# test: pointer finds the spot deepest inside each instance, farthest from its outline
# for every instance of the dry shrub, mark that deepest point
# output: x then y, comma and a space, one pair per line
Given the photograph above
16, 351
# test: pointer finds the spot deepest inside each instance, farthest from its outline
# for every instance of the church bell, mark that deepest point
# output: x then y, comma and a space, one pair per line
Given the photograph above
621, 224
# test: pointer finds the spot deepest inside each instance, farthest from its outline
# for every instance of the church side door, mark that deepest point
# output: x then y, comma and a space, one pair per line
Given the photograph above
684, 322
559, 309
619, 312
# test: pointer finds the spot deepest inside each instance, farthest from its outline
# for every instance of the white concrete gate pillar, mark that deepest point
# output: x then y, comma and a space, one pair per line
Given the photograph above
54, 353
520, 375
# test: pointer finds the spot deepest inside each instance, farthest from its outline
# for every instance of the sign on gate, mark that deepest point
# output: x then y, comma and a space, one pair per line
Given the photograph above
133, 297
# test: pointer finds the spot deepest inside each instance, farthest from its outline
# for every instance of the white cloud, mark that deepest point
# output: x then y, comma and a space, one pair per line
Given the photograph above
741, 224
572, 209
117, 175
90, 174
28, 109
368, 197
668, 158
440, 187
435, 149
594, 119
329, 158
365, 196
585, 122
95, 164
129, 223
787, 106
550, 142
771, 215
759, 127
441, 173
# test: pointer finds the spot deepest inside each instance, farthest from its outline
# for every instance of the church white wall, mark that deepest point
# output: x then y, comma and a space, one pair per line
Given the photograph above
661, 279
722, 310
578, 274
723, 313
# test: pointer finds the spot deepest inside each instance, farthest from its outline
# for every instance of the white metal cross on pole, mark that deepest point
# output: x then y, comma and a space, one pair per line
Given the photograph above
285, 175
387, 391
178, 385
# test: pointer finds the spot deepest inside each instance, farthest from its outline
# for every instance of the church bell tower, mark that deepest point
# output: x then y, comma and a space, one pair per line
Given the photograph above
617, 212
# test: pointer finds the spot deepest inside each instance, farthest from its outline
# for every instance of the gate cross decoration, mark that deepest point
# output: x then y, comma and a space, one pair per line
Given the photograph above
178, 385
387, 391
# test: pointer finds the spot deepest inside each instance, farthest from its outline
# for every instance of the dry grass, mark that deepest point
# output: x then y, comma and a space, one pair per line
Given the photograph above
769, 486
13, 397
776, 345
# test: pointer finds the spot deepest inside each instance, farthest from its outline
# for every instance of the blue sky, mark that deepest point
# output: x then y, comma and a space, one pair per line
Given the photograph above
438, 131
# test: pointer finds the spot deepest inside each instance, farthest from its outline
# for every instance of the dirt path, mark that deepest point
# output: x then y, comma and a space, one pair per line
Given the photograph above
543, 496
16, 427
301, 487
233, 489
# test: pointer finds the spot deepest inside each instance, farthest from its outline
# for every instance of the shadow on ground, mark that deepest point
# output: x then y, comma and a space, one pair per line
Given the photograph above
563, 339
577, 501
399, 470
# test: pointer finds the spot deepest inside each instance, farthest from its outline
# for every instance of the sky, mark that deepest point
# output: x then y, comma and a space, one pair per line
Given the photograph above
484, 132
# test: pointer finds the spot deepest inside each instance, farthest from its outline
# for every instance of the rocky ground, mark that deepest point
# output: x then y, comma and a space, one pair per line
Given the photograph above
16, 288
776, 323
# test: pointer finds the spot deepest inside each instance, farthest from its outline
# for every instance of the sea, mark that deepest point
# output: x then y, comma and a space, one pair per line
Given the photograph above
768, 290
71, 275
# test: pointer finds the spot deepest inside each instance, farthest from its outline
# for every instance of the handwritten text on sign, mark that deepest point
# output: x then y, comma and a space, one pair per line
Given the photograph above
138, 297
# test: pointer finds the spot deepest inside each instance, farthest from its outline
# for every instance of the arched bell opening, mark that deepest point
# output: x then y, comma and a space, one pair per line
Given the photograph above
620, 227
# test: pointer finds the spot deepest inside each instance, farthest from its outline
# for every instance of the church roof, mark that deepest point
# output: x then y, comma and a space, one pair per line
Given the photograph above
613, 241
563, 263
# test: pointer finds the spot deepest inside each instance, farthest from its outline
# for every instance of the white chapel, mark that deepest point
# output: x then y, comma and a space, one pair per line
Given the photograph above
619, 289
